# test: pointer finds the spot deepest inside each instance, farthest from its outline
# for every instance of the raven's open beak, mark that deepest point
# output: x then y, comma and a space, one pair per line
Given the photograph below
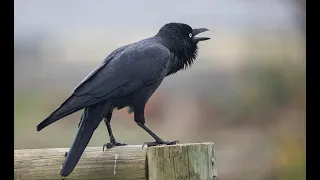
198, 31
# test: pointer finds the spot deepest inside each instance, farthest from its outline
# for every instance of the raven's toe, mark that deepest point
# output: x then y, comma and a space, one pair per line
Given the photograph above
113, 144
156, 143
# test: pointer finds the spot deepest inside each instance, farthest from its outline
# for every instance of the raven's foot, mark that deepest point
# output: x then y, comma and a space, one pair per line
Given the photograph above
112, 144
156, 143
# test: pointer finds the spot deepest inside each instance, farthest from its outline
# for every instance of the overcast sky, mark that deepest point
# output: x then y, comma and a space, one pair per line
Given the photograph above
55, 16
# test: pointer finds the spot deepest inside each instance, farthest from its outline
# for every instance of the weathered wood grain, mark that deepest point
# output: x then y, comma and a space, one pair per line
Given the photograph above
182, 162
127, 162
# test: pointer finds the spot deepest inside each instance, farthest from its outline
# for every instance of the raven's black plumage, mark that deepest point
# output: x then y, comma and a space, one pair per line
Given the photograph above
90, 120
126, 78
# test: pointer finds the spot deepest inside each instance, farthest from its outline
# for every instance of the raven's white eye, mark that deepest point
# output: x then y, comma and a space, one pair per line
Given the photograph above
190, 35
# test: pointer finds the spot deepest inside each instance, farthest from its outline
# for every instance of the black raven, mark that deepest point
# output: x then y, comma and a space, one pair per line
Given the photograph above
126, 78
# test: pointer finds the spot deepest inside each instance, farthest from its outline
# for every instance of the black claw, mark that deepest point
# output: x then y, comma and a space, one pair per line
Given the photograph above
65, 155
156, 143
112, 144
103, 147
144, 144
107, 146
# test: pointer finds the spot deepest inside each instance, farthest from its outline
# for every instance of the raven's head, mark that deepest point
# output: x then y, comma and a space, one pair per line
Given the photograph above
182, 41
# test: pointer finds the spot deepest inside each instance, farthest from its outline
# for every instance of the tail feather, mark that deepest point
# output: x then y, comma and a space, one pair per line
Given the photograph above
91, 118
71, 105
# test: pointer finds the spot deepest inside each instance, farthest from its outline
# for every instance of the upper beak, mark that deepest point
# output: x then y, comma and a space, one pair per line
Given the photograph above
198, 31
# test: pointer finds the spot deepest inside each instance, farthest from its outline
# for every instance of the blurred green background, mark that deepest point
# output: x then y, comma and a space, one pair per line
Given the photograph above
246, 91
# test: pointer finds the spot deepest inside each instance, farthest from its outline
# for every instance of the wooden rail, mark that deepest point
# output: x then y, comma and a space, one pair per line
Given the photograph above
194, 161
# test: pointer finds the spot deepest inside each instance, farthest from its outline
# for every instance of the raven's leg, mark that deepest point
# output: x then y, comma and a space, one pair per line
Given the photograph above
140, 120
113, 141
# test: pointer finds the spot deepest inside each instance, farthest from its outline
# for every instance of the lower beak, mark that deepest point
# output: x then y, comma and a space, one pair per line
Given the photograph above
198, 31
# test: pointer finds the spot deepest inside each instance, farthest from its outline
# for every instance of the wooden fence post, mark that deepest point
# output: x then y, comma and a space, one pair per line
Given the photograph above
194, 161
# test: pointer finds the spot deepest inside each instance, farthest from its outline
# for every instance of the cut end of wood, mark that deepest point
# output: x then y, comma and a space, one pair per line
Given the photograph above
190, 161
